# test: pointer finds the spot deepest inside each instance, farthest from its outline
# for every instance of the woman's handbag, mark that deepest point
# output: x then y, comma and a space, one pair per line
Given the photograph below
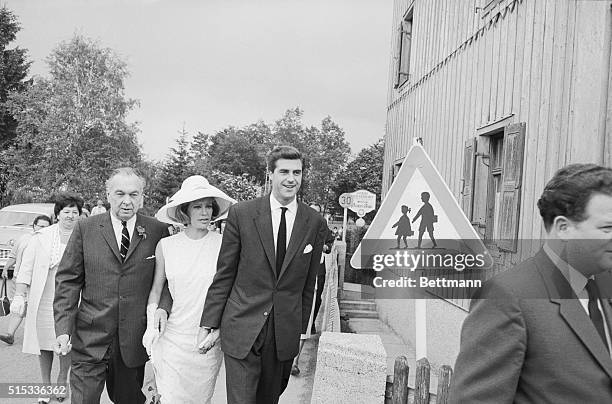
6, 303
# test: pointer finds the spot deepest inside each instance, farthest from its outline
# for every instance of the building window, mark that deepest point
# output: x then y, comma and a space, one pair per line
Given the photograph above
501, 155
403, 49
495, 187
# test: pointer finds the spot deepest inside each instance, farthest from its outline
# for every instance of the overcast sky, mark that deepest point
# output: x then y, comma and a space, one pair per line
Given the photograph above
214, 63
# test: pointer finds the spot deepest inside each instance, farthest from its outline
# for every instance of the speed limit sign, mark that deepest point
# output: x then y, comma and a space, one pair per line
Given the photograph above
346, 200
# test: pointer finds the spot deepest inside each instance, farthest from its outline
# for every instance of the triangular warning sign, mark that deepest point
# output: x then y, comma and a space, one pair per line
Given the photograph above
419, 203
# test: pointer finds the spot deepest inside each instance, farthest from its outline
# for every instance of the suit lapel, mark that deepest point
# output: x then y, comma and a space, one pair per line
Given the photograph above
572, 311
297, 236
109, 235
263, 223
135, 238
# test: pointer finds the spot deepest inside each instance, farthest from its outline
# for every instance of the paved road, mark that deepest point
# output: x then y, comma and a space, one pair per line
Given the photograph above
16, 366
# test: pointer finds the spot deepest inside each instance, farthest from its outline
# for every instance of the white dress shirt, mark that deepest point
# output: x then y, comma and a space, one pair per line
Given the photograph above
118, 227
275, 210
578, 283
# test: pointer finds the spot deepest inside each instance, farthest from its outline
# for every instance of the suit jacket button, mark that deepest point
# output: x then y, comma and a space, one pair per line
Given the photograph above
265, 313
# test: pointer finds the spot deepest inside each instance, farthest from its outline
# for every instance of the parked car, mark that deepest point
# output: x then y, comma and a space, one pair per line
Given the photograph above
15, 221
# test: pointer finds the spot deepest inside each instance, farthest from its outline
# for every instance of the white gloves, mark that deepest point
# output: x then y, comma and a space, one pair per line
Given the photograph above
18, 305
152, 333
62, 345
207, 339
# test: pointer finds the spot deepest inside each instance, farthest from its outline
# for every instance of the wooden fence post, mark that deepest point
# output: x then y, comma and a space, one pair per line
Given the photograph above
400, 381
446, 372
421, 384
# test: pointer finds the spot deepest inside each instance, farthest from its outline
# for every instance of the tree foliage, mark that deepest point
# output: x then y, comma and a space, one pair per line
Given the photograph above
72, 129
14, 66
242, 152
239, 187
364, 172
327, 154
177, 166
235, 158
234, 151
194, 157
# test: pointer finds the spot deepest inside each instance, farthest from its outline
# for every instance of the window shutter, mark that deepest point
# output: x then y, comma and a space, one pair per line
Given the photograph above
404, 65
514, 149
398, 59
469, 153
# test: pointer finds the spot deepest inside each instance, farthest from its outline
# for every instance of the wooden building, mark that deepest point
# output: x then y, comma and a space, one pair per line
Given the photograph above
502, 93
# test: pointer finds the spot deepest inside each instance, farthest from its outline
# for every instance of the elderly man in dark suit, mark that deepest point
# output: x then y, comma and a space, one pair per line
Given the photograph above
540, 333
101, 292
261, 296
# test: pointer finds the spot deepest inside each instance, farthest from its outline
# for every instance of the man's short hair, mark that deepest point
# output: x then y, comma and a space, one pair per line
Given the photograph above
41, 217
282, 152
569, 191
125, 171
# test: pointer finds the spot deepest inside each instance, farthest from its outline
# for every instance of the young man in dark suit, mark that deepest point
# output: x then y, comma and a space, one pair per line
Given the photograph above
261, 296
540, 333
101, 291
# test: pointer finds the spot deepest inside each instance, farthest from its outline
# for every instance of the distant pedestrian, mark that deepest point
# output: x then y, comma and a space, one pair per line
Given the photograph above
11, 270
99, 208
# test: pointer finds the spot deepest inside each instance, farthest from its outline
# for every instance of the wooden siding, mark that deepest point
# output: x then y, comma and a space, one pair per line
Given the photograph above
542, 62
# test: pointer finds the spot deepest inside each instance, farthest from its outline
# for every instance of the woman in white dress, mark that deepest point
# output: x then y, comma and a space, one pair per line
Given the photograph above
37, 279
188, 260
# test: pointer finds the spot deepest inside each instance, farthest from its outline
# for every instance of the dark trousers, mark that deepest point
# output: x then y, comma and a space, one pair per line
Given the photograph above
260, 378
320, 285
87, 378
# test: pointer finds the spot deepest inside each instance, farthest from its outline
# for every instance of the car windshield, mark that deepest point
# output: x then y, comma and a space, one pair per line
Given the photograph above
25, 219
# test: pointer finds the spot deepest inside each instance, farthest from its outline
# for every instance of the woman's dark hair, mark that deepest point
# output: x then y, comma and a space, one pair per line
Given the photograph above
42, 217
569, 191
182, 214
282, 152
67, 199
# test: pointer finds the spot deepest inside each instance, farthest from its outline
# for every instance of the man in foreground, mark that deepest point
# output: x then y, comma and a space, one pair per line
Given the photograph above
540, 333
101, 291
261, 296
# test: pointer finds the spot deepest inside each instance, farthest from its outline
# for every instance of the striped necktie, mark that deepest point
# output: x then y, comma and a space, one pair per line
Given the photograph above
125, 241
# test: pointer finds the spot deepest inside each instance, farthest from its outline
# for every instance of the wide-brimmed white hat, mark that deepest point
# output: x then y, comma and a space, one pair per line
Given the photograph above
193, 188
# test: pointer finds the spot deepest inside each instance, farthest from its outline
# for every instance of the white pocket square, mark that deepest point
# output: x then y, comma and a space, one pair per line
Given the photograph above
150, 258
307, 249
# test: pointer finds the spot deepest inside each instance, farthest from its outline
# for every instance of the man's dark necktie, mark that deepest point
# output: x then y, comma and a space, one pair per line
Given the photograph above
594, 311
125, 241
281, 242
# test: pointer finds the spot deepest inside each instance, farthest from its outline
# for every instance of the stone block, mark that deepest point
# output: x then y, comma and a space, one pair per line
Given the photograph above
351, 369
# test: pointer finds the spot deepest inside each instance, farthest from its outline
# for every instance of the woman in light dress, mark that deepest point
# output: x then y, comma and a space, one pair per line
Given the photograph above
188, 260
37, 273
